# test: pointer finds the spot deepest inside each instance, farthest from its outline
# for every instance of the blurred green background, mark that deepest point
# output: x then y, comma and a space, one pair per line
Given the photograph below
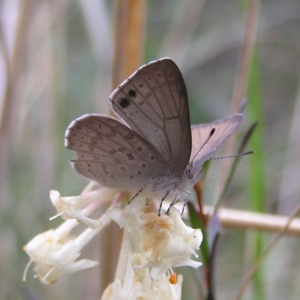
58, 56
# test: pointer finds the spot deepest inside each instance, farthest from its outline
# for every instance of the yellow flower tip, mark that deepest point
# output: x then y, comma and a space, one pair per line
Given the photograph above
173, 278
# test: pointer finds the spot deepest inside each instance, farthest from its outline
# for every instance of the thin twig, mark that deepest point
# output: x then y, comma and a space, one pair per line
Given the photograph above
285, 229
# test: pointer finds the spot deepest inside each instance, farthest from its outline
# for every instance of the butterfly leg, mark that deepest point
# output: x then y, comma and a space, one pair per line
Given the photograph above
185, 202
161, 202
172, 203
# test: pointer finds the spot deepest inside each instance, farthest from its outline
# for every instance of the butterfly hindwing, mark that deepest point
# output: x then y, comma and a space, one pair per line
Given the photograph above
111, 153
223, 130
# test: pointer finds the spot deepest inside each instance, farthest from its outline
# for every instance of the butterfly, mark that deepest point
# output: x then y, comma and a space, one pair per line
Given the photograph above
152, 147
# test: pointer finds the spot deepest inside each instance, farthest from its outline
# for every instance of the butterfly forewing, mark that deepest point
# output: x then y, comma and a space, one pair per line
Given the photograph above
200, 133
111, 153
153, 102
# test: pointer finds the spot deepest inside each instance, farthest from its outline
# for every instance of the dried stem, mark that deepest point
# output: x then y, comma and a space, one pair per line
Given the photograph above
12, 63
128, 49
242, 78
233, 218
129, 38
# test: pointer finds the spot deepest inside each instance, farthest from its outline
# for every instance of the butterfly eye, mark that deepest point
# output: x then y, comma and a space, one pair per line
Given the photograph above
189, 172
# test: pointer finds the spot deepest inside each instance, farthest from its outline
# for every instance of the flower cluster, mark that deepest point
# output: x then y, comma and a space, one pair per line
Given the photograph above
157, 242
152, 246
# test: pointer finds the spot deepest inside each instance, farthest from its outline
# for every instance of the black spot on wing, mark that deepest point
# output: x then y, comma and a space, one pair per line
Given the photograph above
132, 93
124, 102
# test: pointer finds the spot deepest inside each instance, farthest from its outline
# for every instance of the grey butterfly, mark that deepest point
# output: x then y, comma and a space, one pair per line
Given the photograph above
152, 148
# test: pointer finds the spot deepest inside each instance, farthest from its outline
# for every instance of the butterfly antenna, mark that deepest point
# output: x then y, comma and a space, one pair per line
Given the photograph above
229, 156
134, 196
208, 138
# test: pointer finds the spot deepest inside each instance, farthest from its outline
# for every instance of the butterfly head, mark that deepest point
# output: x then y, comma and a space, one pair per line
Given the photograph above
192, 173
189, 172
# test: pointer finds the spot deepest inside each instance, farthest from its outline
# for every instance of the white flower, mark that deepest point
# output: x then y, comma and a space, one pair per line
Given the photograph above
129, 285
54, 252
71, 207
159, 289
151, 247
162, 241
